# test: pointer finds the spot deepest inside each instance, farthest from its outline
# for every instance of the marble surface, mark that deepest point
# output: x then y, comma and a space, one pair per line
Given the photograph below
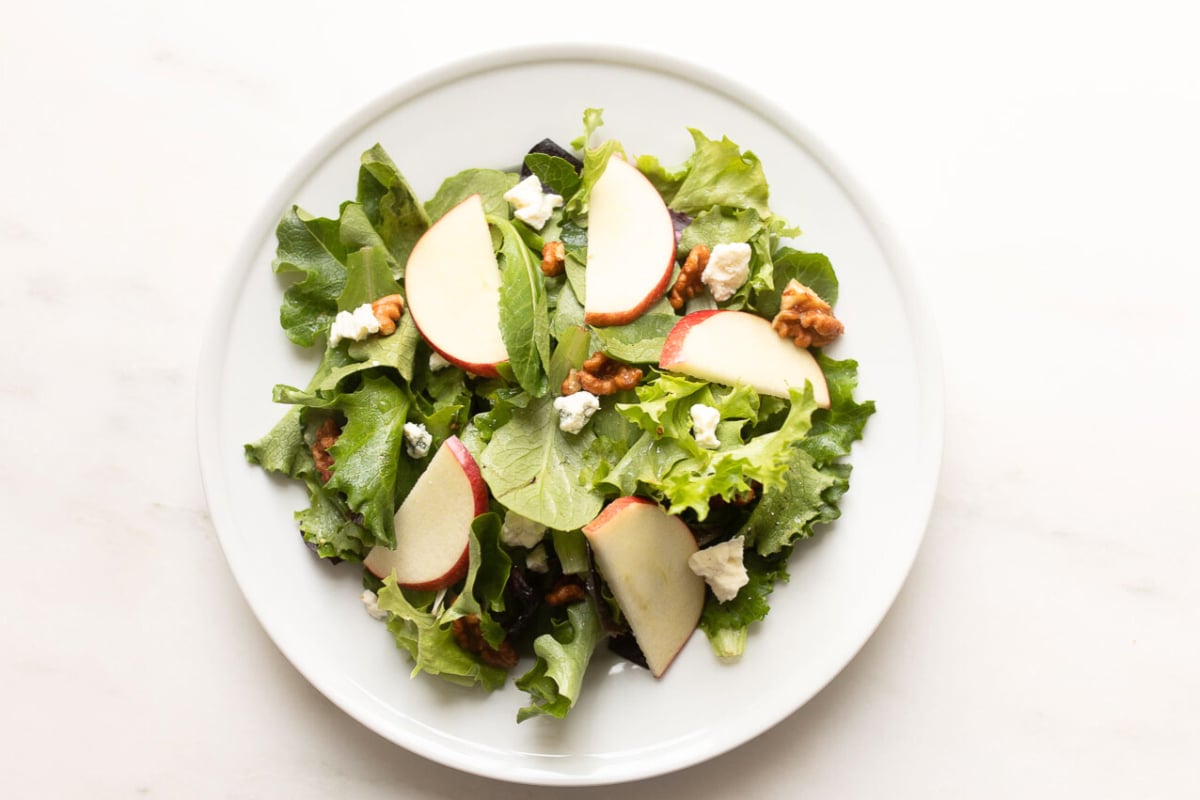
1038, 162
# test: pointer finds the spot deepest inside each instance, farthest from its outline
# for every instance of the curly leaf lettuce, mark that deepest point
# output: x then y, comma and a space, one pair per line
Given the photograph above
310, 246
555, 681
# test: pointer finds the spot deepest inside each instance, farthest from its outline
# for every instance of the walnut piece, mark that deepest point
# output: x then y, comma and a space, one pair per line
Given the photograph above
554, 259
805, 318
601, 375
387, 311
566, 589
689, 283
327, 434
469, 637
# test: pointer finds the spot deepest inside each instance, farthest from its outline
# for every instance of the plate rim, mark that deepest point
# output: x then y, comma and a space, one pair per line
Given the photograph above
922, 326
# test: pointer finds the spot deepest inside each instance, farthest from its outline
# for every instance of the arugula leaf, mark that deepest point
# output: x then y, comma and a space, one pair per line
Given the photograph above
310, 246
721, 174
524, 318
533, 467
563, 656
489, 184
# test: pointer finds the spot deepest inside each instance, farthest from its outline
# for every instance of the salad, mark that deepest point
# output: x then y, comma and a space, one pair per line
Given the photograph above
579, 404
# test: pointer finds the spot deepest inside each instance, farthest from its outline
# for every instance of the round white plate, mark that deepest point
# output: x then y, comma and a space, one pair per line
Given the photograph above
627, 725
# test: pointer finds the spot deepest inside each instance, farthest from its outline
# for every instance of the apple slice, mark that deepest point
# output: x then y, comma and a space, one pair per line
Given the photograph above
433, 524
732, 347
642, 552
452, 287
631, 246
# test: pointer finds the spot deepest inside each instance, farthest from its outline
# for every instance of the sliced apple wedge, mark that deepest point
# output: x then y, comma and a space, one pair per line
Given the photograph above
631, 246
452, 285
433, 524
642, 553
733, 347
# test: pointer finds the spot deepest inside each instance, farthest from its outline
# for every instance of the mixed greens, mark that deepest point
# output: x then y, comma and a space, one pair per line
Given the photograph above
778, 470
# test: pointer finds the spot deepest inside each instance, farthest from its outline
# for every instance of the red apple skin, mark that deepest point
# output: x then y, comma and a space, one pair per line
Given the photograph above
482, 370
479, 496
611, 510
674, 343
456, 574
606, 318
470, 468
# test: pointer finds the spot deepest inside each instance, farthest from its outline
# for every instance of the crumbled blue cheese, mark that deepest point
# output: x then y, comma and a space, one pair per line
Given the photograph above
704, 426
536, 560
728, 267
574, 410
417, 440
530, 204
370, 602
357, 325
722, 568
519, 531
436, 362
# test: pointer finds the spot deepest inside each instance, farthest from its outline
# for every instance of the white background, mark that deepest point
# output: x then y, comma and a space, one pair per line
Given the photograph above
1038, 162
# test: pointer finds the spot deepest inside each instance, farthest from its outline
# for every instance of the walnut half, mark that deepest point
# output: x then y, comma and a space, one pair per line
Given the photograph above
467, 633
805, 318
689, 283
387, 311
601, 375
327, 434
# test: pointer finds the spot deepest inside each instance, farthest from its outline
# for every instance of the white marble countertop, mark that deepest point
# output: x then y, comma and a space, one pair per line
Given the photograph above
1039, 163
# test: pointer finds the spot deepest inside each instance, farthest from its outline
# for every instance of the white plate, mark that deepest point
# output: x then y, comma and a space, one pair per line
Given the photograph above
627, 725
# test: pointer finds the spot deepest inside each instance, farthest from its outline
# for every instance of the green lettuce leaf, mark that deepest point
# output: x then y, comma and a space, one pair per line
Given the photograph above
330, 527
721, 226
366, 456
729, 471
555, 681
421, 632
524, 318
556, 173
390, 205
489, 184
640, 341
533, 467
593, 118
727, 624
811, 269
835, 429
721, 174
368, 278
667, 182
309, 246
487, 575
